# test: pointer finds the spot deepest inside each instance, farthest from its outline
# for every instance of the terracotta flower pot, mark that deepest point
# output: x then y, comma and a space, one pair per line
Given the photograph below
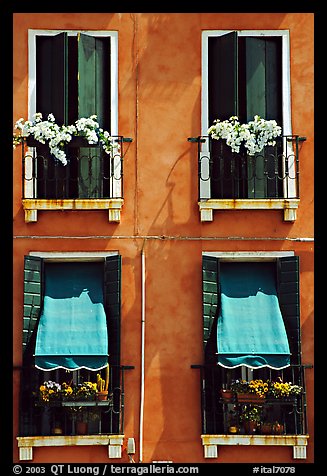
249, 398
250, 427
81, 428
278, 429
266, 428
227, 395
103, 395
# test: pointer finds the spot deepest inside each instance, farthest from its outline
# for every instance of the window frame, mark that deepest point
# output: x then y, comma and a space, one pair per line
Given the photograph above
286, 79
114, 204
32, 34
211, 442
114, 442
208, 205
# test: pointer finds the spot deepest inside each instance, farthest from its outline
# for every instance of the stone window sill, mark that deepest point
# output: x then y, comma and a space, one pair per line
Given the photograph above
113, 205
298, 442
27, 443
206, 207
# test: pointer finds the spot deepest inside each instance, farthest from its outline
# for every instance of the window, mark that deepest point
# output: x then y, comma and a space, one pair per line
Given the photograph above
225, 363
80, 345
73, 75
73, 81
246, 73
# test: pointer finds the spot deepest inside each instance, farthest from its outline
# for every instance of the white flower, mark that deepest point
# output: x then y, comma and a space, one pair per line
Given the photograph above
58, 136
255, 134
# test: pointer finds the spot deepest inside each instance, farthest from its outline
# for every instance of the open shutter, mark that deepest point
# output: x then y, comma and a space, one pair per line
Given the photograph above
93, 98
52, 76
51, 97
112, 296
289, 301
33, 267
210, 291
222, 76
262, 58
223, 103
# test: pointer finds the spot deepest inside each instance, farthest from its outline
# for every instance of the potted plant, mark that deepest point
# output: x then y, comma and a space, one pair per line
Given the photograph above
102, 385
250, 416
227, 394
251, 392
280, 389
254, 135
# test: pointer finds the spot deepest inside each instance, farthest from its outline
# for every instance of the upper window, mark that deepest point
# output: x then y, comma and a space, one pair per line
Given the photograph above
246, 74
73, 75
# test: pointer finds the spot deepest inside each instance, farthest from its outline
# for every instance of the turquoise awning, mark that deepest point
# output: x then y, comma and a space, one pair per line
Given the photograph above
250, 328
72, 332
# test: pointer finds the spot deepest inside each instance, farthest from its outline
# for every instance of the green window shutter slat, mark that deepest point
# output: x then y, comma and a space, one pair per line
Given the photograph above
112, 295
210, 289
289, 301
255, 61
222, 76
52, 76
112, 298
93, 98
32, 296
262, 71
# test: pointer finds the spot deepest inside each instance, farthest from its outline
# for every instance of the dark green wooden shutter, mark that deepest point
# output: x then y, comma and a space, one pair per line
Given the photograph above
210, 293
51, 97
222, 76
262, 59
52, 76
289, 301
33, 267
93, 98
223, 103
112, 294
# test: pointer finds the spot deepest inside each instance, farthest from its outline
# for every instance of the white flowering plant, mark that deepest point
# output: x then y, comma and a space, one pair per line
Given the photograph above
255, 134
57, 137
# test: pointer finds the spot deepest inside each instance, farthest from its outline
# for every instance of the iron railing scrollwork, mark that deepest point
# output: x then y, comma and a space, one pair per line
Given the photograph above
90, 173
274, 173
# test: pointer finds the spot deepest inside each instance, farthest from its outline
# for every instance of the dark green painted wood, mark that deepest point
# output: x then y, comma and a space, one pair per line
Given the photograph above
33, 289
222, 76
52, 76
288, 275
210, 290
112, 298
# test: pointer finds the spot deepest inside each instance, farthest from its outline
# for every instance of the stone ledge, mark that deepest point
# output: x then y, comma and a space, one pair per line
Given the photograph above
27, 443
290, 206
113, 205
298, 442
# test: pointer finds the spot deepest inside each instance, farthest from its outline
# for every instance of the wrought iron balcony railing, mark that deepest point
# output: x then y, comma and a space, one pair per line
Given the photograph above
290, 413
102, 417
90, 173
273, 173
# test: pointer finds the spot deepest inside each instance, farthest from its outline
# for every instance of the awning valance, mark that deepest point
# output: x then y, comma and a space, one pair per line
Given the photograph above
250, 328
72, 331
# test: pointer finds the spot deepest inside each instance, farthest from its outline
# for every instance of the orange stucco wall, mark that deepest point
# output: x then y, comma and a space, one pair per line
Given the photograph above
160, 107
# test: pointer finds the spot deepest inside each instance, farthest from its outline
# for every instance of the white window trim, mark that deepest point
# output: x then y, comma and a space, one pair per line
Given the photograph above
248, 255
82, 256
207, 205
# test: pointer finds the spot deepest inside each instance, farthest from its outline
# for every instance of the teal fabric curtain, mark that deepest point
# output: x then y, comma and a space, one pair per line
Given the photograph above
72, 331
250, 328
